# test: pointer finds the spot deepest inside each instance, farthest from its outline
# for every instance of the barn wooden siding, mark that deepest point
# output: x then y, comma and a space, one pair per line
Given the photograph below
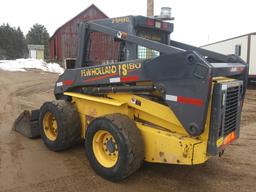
64, 43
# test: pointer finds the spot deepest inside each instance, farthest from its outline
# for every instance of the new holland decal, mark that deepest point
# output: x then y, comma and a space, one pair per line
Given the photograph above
111, 70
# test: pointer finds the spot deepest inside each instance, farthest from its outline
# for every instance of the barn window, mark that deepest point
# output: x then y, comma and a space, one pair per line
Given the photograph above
238, 50
146, 53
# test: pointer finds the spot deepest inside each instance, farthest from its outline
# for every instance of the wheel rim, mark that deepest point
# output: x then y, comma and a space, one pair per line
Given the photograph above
50, 126
105, 148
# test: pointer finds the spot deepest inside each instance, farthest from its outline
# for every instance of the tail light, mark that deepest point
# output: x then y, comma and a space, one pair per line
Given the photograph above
165, 25
151, 22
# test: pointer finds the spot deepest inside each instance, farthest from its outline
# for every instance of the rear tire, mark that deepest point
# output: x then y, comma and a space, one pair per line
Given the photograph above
121, 142
59, 125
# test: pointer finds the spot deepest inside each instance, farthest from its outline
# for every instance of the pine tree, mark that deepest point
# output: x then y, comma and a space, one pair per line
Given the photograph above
12, 42
38, 35
22, 43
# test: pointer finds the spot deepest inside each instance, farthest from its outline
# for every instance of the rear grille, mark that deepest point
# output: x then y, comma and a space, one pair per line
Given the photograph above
231, 117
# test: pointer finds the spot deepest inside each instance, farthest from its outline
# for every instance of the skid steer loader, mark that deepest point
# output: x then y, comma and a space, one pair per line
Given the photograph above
135, 95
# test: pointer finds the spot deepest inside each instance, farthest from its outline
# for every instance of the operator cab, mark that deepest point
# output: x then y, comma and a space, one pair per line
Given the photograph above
102, 48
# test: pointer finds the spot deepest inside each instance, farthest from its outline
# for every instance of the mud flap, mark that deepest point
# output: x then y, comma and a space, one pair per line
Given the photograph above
27, 124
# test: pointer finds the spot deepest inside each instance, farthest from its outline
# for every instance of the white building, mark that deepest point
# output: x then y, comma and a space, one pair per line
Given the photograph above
36, 51
243, 46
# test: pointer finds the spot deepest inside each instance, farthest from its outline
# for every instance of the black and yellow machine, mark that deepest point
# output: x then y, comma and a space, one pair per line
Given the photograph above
145, 98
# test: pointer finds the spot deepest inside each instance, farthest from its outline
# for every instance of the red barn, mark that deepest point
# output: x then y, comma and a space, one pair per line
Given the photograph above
64, 42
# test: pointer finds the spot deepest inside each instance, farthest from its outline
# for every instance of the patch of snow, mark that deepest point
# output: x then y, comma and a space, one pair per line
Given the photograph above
23, 64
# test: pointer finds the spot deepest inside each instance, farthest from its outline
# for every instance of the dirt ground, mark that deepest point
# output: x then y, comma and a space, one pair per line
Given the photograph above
27, 165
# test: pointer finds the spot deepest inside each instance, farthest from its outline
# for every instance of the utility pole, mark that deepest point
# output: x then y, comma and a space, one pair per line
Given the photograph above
150, 8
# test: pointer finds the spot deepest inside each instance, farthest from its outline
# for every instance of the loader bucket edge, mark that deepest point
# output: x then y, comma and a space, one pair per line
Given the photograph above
27, 124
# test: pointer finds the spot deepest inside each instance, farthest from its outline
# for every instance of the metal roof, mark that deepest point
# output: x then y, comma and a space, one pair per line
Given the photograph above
35, 47
254, 33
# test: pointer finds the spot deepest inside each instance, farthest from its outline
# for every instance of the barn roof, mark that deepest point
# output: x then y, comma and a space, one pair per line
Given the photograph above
92, 6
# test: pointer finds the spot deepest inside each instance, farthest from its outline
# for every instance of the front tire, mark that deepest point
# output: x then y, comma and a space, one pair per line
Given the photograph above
114, 146
59, 125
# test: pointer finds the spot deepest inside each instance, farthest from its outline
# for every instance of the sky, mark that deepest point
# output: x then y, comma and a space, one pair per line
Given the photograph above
197, 22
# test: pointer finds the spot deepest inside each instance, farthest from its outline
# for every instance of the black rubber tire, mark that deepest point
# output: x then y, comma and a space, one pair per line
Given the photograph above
68, 122
129, 142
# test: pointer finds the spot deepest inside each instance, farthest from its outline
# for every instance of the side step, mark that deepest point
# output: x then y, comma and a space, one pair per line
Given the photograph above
27, 124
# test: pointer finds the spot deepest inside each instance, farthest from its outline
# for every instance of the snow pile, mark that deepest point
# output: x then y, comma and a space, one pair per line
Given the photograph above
23, 64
